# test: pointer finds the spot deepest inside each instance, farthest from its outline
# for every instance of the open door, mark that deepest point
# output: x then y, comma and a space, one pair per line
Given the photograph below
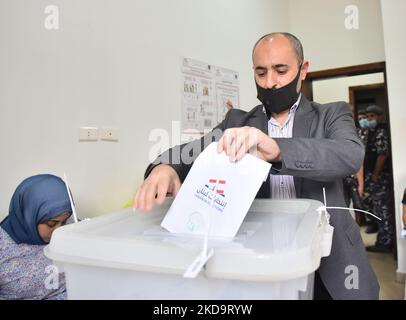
359, 96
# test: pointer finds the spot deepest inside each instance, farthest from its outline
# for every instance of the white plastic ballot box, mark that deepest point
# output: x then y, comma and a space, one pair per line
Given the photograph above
127, 255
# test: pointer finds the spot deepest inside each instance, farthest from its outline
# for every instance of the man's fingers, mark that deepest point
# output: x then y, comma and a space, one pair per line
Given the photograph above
176, 187
244, 148
138, 198
141, 197
233, 148
228, 140
240, 145
144, 199
220, 147
162, 191
156, 186
149, 196
135, 201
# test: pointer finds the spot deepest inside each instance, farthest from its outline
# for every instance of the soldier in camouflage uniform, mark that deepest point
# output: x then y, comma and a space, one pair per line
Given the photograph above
378, 178
362, 130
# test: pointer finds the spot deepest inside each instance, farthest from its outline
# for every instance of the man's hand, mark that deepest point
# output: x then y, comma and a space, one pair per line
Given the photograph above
360, 190
236, 142
163, 179
375, 177
379, 164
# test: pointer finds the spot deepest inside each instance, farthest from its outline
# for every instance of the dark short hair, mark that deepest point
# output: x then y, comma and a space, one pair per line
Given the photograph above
361, 112
374, 109
294, 41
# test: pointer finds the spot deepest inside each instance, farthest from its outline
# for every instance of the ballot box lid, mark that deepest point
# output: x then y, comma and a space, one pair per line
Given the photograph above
278, 240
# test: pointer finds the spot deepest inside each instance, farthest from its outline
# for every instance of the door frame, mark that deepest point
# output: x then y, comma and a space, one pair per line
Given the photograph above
355, 70
353, 89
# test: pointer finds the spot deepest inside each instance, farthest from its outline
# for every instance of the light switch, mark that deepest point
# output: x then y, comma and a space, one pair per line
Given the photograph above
88, 134
109, 134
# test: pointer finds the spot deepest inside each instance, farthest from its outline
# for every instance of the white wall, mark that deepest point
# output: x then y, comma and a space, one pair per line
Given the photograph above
111, 63
327, 42
394, 25
336, 89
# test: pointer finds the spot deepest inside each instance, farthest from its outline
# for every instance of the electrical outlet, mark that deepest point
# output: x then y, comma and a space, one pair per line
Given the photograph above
109, 134
88, 134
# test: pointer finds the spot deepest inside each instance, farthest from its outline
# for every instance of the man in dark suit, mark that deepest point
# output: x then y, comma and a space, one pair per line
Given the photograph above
311, 147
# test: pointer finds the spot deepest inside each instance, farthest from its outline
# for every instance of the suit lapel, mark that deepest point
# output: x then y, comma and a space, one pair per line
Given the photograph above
302, 123
259, 120
301, 128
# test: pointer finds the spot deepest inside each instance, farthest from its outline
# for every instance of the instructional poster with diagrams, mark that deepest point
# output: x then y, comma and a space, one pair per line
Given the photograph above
208, 92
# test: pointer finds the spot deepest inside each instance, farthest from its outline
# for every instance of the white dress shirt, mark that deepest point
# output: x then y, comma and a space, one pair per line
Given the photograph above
283, 187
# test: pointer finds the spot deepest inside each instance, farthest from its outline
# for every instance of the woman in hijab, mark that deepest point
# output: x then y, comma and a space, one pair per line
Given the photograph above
39, 205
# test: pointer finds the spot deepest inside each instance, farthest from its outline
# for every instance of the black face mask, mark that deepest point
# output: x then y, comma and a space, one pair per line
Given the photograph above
278, 100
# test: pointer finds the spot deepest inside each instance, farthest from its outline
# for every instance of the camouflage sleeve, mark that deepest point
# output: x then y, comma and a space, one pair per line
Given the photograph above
381, 142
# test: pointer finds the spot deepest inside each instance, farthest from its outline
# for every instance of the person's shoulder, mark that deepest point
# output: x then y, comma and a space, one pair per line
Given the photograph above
3, 235
382, 127
236, 111
331, 106
241, 113
7, 245
332, 109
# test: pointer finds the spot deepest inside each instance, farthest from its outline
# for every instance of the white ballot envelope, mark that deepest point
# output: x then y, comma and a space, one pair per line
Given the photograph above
216, 194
